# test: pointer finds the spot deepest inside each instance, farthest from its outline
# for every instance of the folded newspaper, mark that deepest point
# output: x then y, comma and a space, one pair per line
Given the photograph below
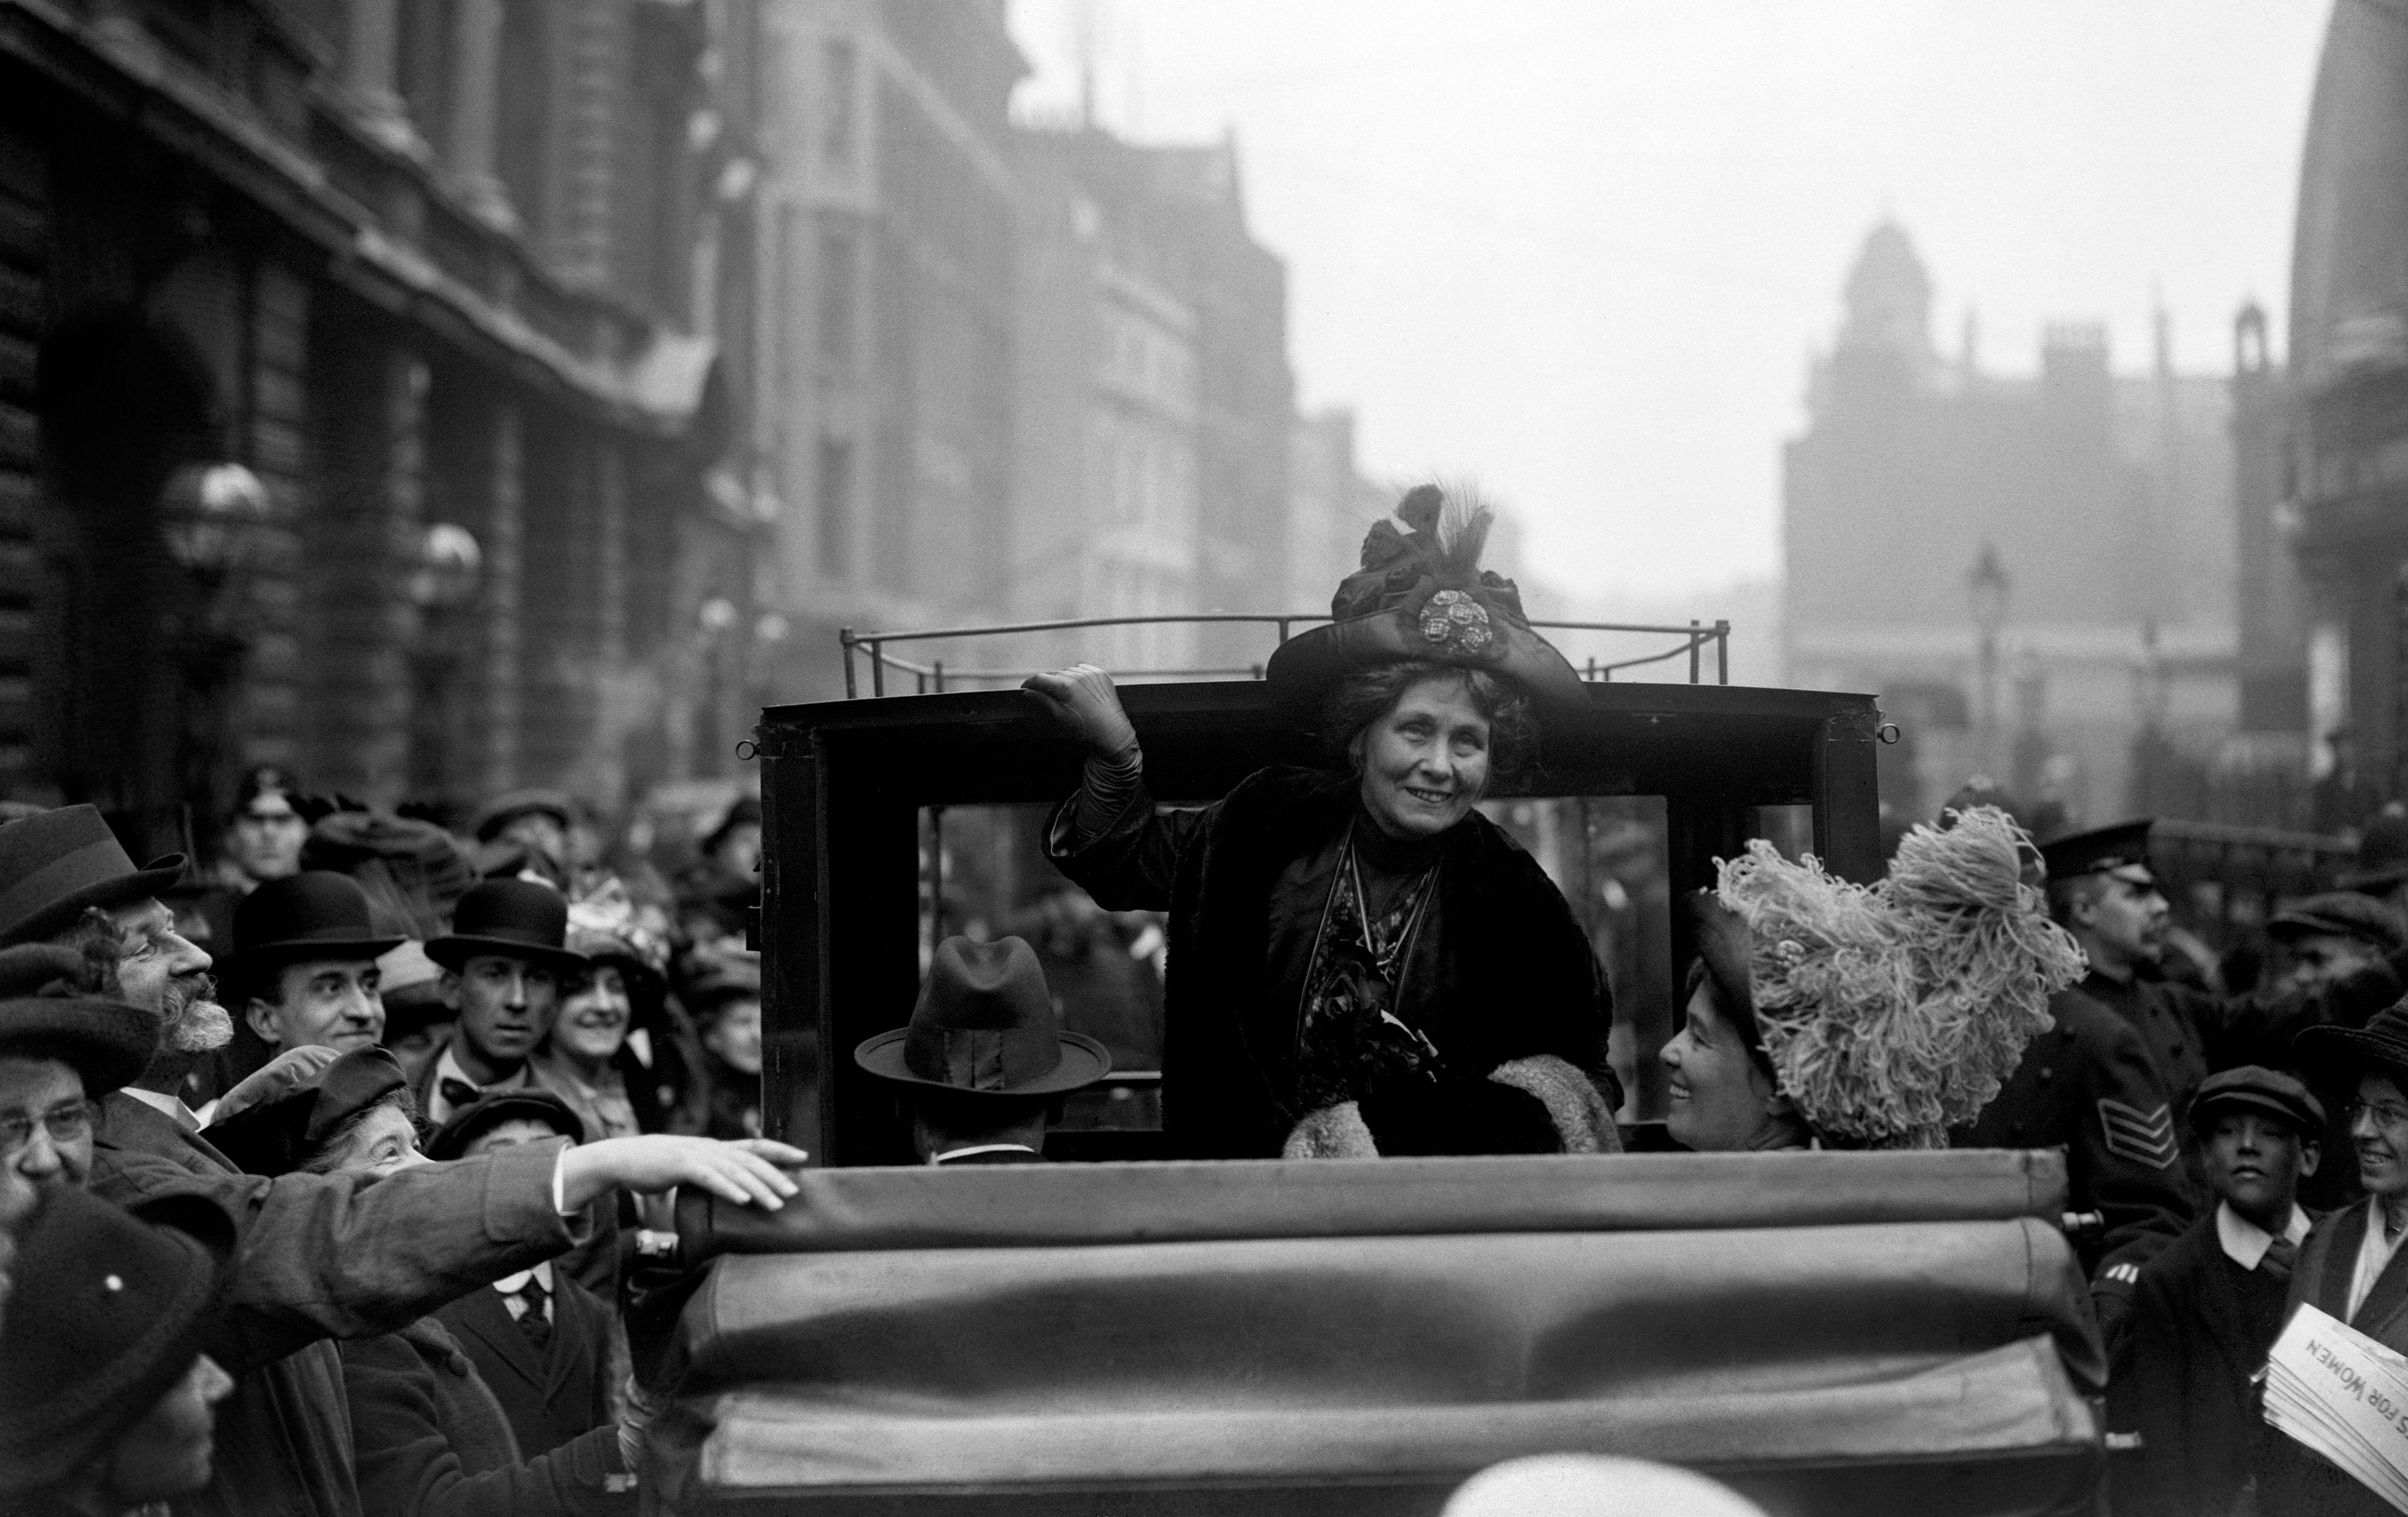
2344, 1396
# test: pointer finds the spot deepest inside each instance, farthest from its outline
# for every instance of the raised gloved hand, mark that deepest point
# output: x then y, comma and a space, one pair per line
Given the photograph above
1081, 698
294, 1070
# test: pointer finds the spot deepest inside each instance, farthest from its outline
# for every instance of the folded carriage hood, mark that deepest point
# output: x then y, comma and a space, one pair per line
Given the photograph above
1895, 1332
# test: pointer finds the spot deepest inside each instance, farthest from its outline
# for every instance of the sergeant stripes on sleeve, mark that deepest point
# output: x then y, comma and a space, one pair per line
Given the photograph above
2143, 1136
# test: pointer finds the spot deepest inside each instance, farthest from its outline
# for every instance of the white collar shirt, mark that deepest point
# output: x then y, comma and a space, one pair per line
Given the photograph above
509, 1285
2374, 1256
438, 1110
2244, 1243
980, 1148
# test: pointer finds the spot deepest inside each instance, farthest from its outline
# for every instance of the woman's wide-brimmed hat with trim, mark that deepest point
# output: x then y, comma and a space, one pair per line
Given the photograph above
985, 1025
2345, 1054
107, 1312
54, 863
1420, 595
1892, 1012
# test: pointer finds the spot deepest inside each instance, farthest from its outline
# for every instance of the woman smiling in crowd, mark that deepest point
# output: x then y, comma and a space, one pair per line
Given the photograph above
1360, 963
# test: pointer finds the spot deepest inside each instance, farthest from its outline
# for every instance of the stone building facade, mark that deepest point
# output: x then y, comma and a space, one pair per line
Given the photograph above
885, 327
2106, 502
353, 415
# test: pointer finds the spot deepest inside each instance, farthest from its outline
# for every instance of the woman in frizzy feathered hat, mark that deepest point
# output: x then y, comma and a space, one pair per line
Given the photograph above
1360, 963
1879, 1016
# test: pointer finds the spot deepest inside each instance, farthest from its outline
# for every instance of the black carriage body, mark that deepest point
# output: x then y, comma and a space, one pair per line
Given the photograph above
844, 784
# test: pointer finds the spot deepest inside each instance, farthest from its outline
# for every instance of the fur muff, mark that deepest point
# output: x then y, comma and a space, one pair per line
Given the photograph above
1583, 1120
1334, 1132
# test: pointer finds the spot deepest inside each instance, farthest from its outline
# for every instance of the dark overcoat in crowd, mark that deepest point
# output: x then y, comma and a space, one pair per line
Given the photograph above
1500, 970
321, 1256
2088, 1086
434, 1442
552, 1393
2200, 1329
2192, 1033
2291, 1482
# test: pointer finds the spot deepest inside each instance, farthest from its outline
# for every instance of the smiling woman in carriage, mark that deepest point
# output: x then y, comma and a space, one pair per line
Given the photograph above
1361, 962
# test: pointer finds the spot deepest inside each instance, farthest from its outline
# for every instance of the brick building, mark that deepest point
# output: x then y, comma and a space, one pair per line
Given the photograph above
352, 413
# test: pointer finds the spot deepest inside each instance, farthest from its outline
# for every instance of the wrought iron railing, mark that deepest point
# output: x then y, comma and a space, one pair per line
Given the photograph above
934, 676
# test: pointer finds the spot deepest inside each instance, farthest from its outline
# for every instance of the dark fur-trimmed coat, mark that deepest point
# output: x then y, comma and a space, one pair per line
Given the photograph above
1505, 984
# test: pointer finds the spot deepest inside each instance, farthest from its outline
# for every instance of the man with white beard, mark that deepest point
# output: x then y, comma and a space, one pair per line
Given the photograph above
321, 1256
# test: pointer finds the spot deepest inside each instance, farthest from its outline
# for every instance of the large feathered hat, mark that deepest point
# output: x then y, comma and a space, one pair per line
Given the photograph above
1892, 1012
1420, 594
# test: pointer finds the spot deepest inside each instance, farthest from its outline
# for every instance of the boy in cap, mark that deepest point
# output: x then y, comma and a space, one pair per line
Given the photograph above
2206, 1310
984, 1057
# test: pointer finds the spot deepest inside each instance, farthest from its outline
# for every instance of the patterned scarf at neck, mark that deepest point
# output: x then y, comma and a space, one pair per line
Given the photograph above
1349, 1038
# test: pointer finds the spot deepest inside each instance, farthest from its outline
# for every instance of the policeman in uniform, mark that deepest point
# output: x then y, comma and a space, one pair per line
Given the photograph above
2088, 1086
2102, 889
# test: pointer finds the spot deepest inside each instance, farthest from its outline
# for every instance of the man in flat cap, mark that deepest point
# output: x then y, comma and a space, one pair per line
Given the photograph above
2102, 889
2328, 938
2207, 1311
319, 1256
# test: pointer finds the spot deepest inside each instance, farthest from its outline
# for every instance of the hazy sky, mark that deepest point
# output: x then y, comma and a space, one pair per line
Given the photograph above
1582, 249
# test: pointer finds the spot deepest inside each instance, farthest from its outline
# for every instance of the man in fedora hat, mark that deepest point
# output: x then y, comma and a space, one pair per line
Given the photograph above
984, 1057
2350, 1266
304, 967
503, 964
2208, 1309
65, 879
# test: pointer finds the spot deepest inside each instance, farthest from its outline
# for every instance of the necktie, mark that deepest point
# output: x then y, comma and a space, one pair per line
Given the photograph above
532, 1322
458, 1093
2281, 1254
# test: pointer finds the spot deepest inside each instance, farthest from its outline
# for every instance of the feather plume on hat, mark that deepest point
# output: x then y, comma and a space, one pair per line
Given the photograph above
1894, 1011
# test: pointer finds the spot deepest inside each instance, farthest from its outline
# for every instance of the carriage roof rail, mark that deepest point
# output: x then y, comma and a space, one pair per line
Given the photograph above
931, 676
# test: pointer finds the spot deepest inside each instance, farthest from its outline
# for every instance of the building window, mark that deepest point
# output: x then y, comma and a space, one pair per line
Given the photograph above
838, 121
838, 256
523, 115
836, 508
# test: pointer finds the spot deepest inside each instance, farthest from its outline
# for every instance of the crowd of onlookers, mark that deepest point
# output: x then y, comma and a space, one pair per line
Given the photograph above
658, 1029
204, 1299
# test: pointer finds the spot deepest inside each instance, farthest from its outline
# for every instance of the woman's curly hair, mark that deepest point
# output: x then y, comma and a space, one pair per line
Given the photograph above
1368, 695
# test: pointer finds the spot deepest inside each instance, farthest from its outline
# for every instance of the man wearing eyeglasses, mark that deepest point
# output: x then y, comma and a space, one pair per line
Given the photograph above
57, 1056
2350, 1267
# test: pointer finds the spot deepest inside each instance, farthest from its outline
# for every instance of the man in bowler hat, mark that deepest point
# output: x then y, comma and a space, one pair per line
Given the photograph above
304, 968
2207, 1311
503, 964
984, 1058
319, 1256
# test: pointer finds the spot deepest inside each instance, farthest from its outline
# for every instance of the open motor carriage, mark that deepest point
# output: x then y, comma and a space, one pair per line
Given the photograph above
1117, 1334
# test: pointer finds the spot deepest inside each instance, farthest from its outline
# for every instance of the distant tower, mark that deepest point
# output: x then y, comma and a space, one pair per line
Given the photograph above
1889, 296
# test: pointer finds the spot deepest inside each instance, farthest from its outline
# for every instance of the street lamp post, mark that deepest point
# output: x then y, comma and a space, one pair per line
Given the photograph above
1985, 591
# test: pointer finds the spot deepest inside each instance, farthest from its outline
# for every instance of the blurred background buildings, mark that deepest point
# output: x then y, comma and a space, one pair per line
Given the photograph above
444, 395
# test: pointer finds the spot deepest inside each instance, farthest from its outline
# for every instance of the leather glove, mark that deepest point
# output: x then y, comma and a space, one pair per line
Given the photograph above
1082, 700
